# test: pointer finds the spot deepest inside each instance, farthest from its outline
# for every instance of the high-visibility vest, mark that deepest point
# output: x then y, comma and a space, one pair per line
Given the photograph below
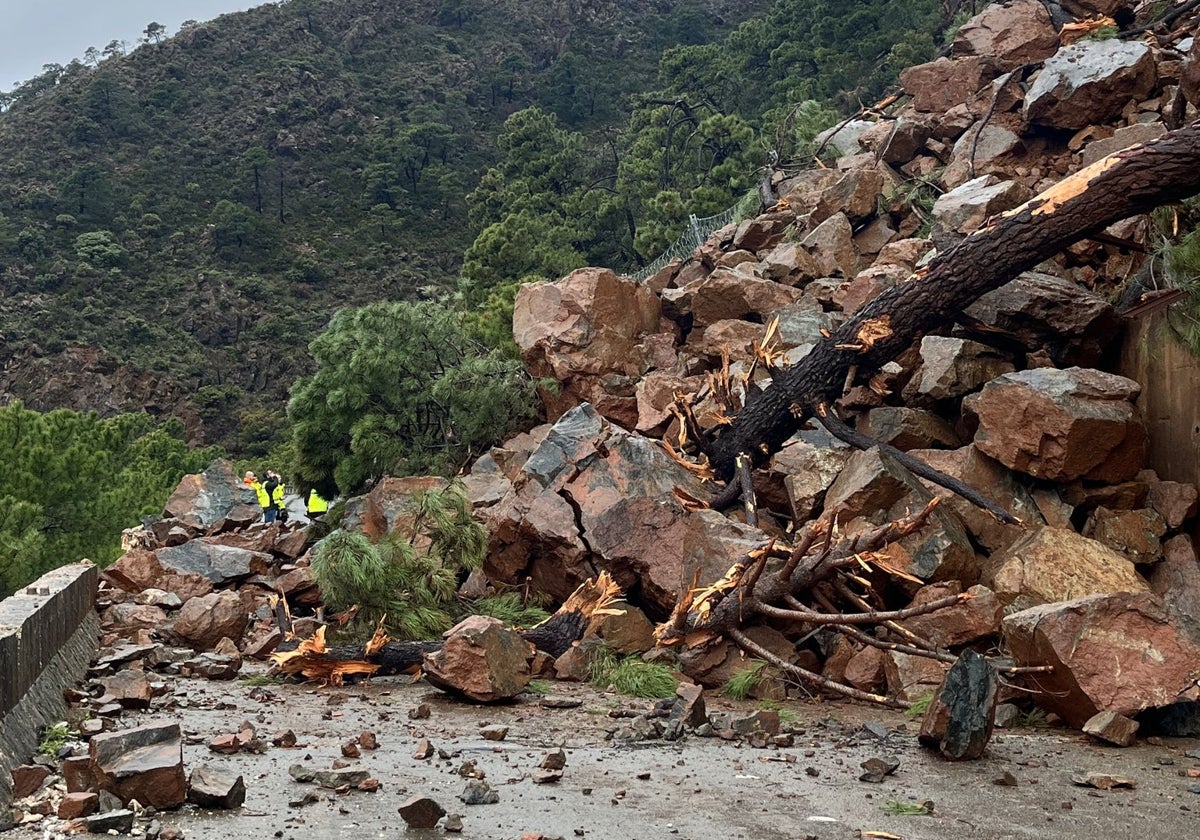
263, 499
277, 495
315, 503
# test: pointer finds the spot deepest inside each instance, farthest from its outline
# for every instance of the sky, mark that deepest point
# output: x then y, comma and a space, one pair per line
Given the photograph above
37, 32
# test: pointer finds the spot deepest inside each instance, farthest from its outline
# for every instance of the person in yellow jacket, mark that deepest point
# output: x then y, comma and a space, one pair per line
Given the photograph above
317, 506
264, 498
276, 491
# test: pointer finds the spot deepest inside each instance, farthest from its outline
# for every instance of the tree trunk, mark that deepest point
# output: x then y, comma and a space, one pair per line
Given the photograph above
1123, 184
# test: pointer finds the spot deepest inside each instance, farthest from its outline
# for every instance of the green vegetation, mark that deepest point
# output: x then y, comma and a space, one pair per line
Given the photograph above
407, 580
399, 389
920, 706
71, 482
538, 687
630, 674
261, 680
742, 684
509, 608
54, 738
897, 808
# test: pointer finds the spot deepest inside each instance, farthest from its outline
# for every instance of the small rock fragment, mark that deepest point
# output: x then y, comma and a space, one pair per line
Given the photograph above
479, 792
212, 787
554, 760
1112, 727
420, 712
424, 750
494, 732
421, 812
453, 824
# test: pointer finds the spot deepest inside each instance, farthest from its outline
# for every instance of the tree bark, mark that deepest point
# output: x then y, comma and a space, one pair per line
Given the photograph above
1123, 184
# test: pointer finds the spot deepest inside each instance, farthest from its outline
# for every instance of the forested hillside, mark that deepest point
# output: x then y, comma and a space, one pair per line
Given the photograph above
179, 221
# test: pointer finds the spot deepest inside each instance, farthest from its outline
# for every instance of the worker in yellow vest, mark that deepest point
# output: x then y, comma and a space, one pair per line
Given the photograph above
316, 504
260, 492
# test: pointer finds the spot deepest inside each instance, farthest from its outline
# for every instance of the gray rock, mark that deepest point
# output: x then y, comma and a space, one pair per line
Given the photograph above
1089, 82
961, 717
479, 792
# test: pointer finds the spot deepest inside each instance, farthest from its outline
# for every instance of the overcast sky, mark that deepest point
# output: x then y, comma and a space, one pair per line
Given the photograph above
37, 32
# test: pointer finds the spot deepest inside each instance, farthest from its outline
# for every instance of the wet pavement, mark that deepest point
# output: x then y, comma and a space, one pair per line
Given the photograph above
692, 788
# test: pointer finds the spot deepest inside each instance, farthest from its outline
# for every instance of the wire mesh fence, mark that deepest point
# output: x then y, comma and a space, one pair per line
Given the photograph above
698, 230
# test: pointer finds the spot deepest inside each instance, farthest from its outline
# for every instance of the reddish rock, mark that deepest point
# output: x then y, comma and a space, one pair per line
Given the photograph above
865, 670
1177, 578
581, 329
627, 630
127, 618
1055, 564
1061, 424
144, 763
730, 294
871, 481
737, 338
909, 677
79, 804
482, 659
1014, 33
129, 687
941, 84
27, 779
77, 773
909, 428
186, 586
978, 618
421, 812
203, 622
1122, 653
1135, 533
572, 666
831, 245
299, 588
1112, 728
1175, 501
713, 665
134, 571
856, 194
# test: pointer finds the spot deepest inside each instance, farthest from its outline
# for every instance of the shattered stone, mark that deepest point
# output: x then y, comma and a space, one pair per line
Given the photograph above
78, 804
546, 777
118, 822
481, 658
341, 777
143, 763
494, 732
424, 750
419, 712
554, 760
212, 787
876, 769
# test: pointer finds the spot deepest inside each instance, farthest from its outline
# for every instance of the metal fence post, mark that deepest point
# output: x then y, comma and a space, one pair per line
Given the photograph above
695, 226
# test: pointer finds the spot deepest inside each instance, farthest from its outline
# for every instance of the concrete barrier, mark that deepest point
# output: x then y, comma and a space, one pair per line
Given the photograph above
48, 634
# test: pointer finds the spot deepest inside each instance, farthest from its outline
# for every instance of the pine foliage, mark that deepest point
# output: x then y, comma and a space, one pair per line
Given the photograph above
409, 578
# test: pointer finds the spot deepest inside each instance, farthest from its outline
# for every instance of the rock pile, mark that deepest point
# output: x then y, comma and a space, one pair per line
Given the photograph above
1014, 401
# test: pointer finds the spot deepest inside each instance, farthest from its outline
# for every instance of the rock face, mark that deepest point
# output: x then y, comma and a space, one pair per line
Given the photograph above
482, 659
963, 712
1090, 82
1061, 424
1121, 653
144, 763
581, 328
220, 563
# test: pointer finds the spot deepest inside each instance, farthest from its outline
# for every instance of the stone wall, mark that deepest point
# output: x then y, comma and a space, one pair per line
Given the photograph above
48, 634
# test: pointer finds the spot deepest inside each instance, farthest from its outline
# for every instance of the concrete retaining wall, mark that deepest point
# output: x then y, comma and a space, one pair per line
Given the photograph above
48, 634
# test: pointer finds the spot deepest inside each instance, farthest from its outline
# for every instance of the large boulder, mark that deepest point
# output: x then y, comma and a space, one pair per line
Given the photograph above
204, 621
965, 208
1123, 653
941, 84
1090, 82
1057, 564
952, 368
960, 719
144, 763
729, 293
1061, 425
203, 500
482, 659
1014, 33
1044, 312
583, 330
220, 563
593, 497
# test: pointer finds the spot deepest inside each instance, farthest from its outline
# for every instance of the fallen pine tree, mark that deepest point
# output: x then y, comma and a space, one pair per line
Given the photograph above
314, 659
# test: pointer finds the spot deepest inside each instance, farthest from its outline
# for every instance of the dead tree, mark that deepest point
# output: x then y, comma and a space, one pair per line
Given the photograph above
315, 660
1123, 184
